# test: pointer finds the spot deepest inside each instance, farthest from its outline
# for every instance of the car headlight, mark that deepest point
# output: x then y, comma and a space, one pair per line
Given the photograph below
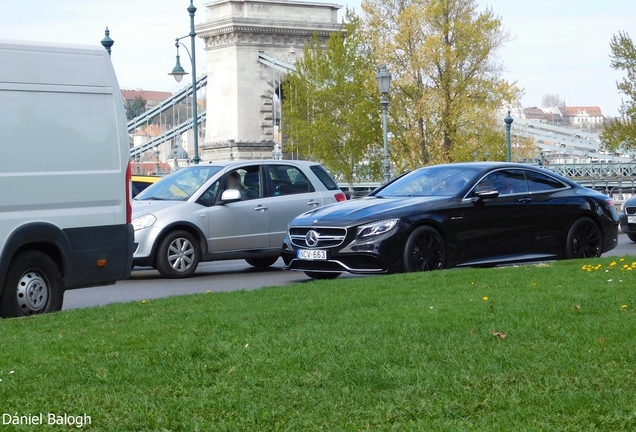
143, 221
376, 228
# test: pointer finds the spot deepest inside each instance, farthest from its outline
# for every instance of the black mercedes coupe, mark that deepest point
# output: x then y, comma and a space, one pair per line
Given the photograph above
454, 215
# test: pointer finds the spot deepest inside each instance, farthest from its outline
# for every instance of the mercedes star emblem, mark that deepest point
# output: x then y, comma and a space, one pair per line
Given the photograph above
311, 238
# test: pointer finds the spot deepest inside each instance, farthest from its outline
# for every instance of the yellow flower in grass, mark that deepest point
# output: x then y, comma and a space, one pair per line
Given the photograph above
622, 259
485, 299
143, 301
624, 307
612, 264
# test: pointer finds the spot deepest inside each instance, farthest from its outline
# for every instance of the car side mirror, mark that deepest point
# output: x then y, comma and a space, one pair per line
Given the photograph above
231, 195
485, 192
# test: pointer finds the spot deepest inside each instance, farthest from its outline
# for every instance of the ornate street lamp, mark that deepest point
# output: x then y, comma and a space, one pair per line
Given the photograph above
508, 120
178, 73
384, 84
107, 42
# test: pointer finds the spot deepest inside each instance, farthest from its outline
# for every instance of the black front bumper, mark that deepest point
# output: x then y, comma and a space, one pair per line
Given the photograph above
382, 254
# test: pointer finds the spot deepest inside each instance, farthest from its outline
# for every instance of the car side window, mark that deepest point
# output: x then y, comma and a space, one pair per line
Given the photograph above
247, 180
287, 180
209, 196
538, 182
507, 182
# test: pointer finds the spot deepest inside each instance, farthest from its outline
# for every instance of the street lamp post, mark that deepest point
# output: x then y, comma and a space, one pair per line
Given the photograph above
178, 73
384, 83
508, 120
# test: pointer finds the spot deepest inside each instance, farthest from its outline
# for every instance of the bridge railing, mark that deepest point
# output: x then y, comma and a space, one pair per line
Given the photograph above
615, 171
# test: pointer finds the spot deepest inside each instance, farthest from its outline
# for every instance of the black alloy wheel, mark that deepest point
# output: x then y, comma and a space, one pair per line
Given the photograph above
425, 250
584, 239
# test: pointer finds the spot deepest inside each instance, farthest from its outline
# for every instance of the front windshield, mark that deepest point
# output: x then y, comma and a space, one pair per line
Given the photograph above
431, 181
180, 185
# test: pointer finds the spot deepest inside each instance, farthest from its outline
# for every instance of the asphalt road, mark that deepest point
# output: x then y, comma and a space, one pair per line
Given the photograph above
216, 276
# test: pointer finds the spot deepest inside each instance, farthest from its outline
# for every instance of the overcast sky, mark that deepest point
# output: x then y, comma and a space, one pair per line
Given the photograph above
559, 47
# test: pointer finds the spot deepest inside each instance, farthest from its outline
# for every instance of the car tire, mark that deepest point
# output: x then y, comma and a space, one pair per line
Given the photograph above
322, 275
632, 237
261, 262
584, 239
178, 255
33, 286
425, 250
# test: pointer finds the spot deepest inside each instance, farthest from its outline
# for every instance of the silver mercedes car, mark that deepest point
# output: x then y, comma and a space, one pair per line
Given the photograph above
225, 210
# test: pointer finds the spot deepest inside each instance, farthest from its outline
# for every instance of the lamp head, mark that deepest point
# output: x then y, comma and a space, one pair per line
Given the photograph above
384, 79
177, 72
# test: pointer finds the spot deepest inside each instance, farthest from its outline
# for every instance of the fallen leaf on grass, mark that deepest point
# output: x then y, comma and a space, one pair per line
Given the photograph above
602, 340
577, 307
500, 335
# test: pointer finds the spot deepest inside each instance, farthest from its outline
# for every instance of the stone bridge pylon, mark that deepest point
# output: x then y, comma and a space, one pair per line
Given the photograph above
249, 45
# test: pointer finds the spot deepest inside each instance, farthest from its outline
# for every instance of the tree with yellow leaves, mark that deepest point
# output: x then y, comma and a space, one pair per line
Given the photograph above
330, 110
447, 85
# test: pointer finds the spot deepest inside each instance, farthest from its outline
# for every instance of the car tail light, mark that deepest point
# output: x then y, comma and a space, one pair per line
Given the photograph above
340, 196
128, 204
609, 202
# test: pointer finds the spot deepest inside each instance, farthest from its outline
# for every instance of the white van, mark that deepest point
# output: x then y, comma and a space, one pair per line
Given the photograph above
64, 175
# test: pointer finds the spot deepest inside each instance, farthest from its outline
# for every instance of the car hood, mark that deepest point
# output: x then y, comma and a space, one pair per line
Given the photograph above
143, 207
365, 210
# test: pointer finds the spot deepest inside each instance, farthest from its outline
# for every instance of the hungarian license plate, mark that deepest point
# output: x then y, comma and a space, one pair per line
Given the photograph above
312, 255
631, 219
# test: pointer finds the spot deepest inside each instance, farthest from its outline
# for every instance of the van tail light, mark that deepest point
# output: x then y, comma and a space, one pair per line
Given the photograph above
128, 203
340, 196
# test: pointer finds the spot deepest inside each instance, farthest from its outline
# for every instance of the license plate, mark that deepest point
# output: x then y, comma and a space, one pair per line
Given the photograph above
312, 255
631, 219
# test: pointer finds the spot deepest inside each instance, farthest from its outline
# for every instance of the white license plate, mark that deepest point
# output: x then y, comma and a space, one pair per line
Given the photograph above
312, 255
631, 219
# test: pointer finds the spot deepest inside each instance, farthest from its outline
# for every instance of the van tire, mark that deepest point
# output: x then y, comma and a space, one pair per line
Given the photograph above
178, 255
33, 286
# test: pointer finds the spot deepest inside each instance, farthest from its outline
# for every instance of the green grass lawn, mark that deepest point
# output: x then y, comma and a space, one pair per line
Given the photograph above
402, 352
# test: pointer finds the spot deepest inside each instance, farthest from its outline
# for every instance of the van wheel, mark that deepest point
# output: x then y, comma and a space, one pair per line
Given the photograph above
261, 262
33, 286
178, 255
425, 250
584, 240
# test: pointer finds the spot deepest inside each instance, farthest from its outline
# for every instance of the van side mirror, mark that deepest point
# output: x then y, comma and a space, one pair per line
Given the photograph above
231, 195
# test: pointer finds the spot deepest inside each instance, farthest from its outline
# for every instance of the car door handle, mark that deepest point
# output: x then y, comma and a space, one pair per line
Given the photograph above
525, 200
313, 203
260, 208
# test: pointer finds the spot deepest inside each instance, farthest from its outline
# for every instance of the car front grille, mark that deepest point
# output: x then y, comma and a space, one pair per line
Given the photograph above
630, 210
324, 237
